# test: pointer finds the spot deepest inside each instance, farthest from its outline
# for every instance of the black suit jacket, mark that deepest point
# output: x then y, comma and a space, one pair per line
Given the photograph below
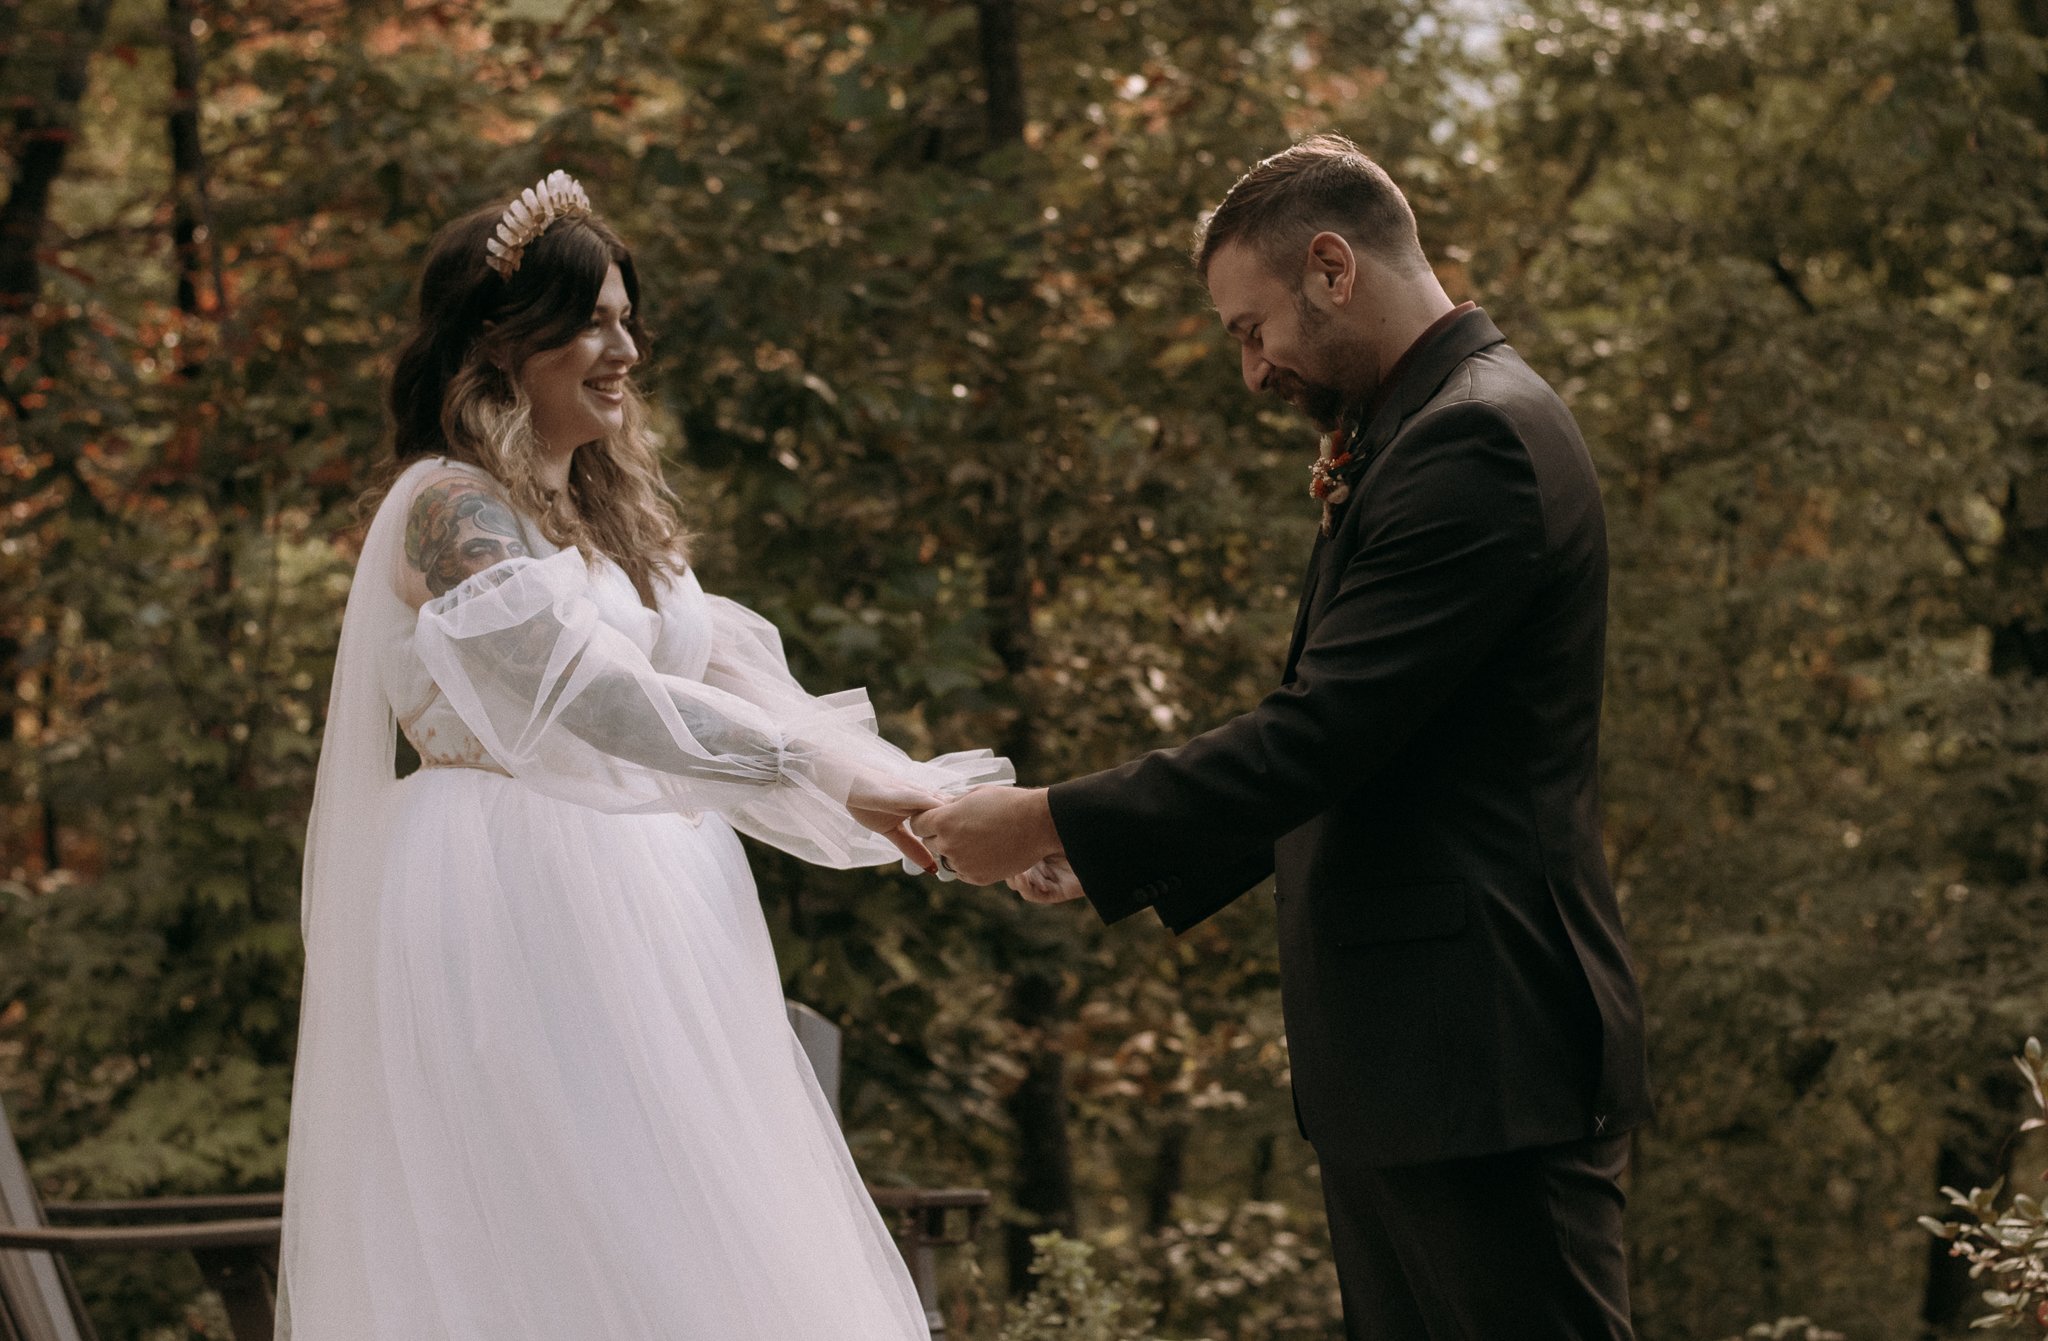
1424, 786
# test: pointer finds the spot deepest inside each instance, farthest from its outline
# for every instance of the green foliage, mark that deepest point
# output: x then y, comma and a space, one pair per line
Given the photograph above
1072, 1303
2006, 1244
953, 413
220, 1127
1783, 262
1788, 1329
1249, 1270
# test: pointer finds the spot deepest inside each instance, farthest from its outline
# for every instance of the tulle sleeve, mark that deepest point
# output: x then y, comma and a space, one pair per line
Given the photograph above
836, 736
570, 705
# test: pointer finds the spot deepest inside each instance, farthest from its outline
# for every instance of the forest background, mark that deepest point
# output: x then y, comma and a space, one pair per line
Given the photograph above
945, 401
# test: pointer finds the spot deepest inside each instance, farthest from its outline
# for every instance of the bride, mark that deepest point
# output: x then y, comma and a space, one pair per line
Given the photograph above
545, 1086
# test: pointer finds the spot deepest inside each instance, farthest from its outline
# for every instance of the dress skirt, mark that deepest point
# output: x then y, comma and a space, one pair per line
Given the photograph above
586, 1115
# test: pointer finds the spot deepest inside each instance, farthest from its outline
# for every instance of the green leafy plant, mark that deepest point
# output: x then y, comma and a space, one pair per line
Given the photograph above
1072, 1302
2007, 1245
1255, 1269
1787, 1329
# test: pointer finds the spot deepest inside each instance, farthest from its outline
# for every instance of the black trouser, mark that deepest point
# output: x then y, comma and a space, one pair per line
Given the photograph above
1520, 1246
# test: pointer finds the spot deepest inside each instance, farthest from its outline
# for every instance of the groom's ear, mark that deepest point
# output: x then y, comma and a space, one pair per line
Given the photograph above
1330, 271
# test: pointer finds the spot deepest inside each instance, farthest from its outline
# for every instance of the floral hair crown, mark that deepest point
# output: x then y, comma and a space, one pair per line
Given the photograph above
555, 196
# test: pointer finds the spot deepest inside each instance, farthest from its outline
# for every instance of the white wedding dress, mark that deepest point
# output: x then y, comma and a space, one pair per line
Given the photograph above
546, 1089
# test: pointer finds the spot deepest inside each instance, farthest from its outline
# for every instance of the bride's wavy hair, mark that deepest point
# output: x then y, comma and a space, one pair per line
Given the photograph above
453, 393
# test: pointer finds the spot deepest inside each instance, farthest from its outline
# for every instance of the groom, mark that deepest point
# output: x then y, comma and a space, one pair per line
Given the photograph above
1465, 1028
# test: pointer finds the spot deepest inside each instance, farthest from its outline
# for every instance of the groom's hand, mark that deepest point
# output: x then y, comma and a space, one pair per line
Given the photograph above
991, 833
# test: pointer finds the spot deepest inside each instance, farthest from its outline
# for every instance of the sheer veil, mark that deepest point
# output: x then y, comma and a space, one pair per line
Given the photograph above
337, 1078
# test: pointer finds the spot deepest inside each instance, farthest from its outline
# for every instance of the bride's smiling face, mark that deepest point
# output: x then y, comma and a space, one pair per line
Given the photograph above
578, 389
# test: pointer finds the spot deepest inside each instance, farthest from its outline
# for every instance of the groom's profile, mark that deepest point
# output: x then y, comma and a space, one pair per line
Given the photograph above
1464, 1024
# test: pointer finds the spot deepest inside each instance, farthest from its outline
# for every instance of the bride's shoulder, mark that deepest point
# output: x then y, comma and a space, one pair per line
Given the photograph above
458, 522
433, 480
678, 587
443, 471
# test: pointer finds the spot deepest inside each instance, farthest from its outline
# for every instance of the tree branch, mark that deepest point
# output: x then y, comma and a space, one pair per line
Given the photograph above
1956, 543
1790, 283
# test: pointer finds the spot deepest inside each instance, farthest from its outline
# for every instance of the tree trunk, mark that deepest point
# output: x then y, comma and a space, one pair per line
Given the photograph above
44, 131
1002, 65
1044, 1186
2033, 16
1950, 1290
183, 125
52, 826
1043, 1182
1976, 1152
193, 234
1263, 1155
1010, 588
1970, 28
10, 32
1169, 1175
1011, 584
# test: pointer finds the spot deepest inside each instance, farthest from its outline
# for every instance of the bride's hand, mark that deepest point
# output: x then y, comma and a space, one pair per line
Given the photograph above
1052, 880
881, 803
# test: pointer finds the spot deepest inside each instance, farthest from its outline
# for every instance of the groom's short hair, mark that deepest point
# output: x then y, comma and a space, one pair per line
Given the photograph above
1323, 184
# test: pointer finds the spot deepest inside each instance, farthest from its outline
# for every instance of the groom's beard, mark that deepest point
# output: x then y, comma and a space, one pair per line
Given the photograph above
1322, 404
1321, 401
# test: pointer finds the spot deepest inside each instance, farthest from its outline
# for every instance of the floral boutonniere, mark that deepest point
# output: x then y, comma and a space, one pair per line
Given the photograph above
1326, 483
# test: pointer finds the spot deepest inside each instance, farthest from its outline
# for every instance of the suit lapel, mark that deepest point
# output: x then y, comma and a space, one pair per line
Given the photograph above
1310, 580
1419, 378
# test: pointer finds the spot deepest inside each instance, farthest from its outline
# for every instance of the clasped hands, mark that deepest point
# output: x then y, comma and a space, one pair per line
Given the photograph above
987, 835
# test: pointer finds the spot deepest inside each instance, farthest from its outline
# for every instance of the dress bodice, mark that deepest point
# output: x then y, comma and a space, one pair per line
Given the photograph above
675, 637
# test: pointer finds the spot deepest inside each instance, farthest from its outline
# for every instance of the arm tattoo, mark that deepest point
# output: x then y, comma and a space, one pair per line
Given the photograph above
457, 529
